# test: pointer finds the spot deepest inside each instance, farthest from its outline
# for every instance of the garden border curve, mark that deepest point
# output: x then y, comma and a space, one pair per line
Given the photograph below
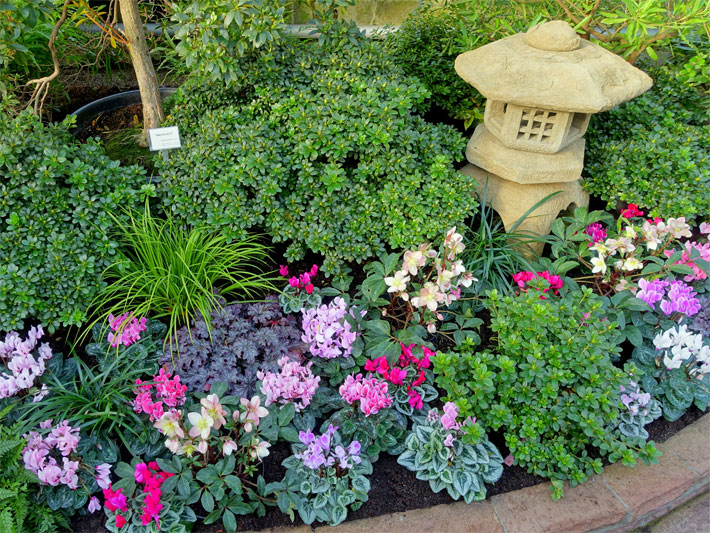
620, 499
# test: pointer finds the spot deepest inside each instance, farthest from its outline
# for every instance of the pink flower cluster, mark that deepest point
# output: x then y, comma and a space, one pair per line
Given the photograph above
596, 232
370, 392
295, 383
408, 364
688, 247
168, 391
631, 211
37, 454
151, 477
16, 355
302, 281
522, 278
127, 329
115, 501
326, 331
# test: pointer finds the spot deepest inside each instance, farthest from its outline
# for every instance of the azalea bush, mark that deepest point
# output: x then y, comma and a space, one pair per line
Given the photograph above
306, 153
652, 151
56, 217
550, 385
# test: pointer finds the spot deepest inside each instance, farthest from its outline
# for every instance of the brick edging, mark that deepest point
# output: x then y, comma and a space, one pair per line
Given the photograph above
620, 499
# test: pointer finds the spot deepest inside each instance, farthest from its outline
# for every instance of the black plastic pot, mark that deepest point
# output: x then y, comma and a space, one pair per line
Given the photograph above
86, 114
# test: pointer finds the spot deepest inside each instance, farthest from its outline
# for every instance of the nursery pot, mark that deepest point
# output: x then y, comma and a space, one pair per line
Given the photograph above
86, 114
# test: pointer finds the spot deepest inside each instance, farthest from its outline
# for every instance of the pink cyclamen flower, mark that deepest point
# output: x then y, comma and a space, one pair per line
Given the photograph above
103, 476
448, 419
705, 228
127, 329
283, 270
295, 383
509, 460
371, 393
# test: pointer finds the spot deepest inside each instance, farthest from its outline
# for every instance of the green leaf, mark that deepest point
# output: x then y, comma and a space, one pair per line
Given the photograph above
207, 501
378, 327
286, 414
229, 521
207, 475
167, 466
234, 483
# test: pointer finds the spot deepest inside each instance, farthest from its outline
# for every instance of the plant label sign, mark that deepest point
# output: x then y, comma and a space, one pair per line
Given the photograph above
164, 138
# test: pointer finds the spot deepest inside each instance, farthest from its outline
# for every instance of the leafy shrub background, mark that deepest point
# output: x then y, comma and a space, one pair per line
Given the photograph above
653, 151
326, 150
55, 199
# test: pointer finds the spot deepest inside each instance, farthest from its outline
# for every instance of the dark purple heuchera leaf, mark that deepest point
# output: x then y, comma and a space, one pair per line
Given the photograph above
245, 338
701, 321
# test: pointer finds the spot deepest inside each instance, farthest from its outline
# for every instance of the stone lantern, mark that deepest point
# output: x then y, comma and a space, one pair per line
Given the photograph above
541, 88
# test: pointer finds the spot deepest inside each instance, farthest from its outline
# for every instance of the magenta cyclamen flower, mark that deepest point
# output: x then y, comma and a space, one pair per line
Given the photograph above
370, 392
295, 384
326, 331
127, 329
596, 232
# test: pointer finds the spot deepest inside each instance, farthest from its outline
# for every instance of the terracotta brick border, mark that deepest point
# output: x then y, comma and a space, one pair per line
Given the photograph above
620, 499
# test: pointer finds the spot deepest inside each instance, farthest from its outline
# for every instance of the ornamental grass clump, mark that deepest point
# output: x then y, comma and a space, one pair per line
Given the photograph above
436, 451
549, 384
172, 273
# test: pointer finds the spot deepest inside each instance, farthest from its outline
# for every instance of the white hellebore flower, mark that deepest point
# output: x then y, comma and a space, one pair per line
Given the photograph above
599, 265
398, 282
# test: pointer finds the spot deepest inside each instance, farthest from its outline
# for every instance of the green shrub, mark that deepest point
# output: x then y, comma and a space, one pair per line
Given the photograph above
324, 150
56, 197
653, 150
551, 386
425, 48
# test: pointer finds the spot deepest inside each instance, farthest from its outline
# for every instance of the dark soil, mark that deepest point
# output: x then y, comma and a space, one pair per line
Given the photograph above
394, 488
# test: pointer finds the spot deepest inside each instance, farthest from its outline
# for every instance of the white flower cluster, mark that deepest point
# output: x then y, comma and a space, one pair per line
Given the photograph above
683, 348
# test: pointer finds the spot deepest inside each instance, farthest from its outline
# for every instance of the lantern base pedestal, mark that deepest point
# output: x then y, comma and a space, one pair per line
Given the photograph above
511, 200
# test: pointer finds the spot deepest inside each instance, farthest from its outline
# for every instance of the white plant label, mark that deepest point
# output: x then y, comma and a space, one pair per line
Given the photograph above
164, 138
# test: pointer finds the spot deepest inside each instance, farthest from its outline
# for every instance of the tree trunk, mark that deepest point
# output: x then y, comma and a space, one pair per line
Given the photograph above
145, 73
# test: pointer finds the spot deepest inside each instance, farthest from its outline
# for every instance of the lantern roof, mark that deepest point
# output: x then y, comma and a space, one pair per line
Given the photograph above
551, 67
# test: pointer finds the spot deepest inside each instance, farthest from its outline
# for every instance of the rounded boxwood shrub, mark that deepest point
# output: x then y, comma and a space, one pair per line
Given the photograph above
653, 151
324, 149
55, 200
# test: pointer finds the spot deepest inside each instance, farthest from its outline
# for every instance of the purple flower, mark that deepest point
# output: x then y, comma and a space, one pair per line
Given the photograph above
94, 504
449, 440
306, 437
103, 478
651, 291
326, 331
